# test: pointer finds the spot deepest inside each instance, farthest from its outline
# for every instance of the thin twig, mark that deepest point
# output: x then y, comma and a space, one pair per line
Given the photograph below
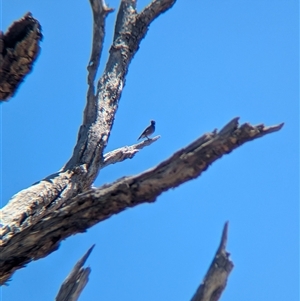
126, 152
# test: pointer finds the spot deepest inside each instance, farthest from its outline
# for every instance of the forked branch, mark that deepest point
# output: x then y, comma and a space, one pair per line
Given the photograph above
81, 170
31, 205
74, 215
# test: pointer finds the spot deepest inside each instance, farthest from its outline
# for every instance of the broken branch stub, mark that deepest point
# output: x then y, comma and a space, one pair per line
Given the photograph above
19, 49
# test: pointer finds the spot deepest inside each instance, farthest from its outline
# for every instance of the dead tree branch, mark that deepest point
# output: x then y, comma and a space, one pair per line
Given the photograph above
76, 281
41, 236
100, 12
32, 204
19, 49
83, 167
217, 275
126, 152
80, 172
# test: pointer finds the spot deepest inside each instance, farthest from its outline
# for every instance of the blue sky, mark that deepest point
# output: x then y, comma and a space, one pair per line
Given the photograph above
201, 64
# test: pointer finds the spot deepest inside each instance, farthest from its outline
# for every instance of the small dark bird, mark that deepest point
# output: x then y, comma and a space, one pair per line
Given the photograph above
148, 131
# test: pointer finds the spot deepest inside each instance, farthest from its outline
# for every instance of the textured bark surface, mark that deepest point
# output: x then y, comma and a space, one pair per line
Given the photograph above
38, 218
30, 205
19, 48
40, 236
216, 277
76, 281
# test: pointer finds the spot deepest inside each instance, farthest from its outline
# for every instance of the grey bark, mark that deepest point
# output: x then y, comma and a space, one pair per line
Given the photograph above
30, 205
210, 288
74, 284
216, 277
40, 217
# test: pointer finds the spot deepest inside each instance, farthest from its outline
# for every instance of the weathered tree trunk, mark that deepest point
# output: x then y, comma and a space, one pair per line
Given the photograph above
37, 219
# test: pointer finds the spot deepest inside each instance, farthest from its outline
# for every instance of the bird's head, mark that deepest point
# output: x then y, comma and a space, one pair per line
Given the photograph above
152, 122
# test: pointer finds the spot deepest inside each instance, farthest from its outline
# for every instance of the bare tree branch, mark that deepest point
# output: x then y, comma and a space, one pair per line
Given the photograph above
38, 218
126, 152
41, 236
153, 10
76, 281
81, 170
19, 49
32, 204
215, 279
100, 12
93, 135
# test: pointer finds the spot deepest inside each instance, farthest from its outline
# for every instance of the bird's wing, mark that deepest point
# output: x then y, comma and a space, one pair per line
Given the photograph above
144, 133
141, 135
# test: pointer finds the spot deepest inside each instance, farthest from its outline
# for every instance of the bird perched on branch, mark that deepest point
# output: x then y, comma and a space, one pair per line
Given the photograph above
148, 131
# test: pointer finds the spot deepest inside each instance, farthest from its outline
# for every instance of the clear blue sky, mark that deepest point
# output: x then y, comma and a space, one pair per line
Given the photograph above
201, 64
